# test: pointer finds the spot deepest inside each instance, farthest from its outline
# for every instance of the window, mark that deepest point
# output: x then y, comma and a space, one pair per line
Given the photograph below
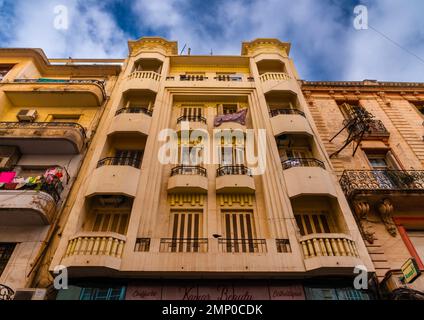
312, 223
128, 157
72, 118
186, 231
229, 108
192, 111
27, 172
6, 250
111, 220
240, 235
417, 239
4, 70
103, 293
232, 152
381, 160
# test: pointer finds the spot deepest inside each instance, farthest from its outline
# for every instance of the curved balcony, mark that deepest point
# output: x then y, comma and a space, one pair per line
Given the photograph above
234, 179
43, 137
46, 92
306, 176
195, 122
277, 81
27, 207
111, 177
331, 251
95, 250
147, 80
130, 120
191, 179
289, 121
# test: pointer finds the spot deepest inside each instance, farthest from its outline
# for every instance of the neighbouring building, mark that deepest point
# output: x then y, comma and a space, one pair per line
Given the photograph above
384, 179
49, 111
139, 228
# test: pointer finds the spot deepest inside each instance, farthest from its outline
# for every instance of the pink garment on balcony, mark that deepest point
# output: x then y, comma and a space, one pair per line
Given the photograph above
7, 177
239, 117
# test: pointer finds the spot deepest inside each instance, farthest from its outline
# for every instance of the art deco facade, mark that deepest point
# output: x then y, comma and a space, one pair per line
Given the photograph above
48, 114
384, 180
140, 229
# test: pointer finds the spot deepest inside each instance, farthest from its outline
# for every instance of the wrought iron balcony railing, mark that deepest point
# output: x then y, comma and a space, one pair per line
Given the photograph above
233, 170
302, 162
114, 161
382, 181
183, 245
189, 170
134, 110
376, 129
242, 245
191, 119
276, 112
193, 78
42, 125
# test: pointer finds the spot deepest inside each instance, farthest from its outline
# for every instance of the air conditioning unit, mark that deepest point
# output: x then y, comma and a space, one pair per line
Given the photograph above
27, 115
30, 294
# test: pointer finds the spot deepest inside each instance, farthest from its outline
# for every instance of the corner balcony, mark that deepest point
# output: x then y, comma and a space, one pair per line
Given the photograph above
95, 250
146, 80
195, 122
306, 176
378, 183
46, 92
188, 179
234, 179
277, 81
289, 121
115, 176
131, 120
43, 137
330, 251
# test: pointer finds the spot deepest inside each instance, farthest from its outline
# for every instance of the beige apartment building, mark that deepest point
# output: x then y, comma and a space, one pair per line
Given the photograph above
49, 111
384, 179
139, 228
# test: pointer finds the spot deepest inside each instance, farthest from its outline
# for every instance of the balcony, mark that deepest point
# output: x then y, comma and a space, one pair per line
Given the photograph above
194, 245
376, 130
131, 120
43, 137
289, 121
306, 176
148, 80
242, 245
111, 177
195, 122
45, 92
234, 179
382, 182
191, 179
95, 249
277, 81
329, 251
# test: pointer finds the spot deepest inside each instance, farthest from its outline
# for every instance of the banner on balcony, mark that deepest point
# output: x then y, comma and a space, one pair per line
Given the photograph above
239, 117
225, 291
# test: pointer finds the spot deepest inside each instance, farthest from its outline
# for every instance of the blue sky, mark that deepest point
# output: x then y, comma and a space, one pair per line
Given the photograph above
325, 45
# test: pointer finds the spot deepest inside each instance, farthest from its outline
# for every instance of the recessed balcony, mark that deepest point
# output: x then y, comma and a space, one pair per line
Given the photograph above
195, 122
146, 80
274, 81
115, 176
95, 250
234, 179
190, 179
45, 92
289, 121
43, 137
131, 120
306, 176
369, 183
332, 251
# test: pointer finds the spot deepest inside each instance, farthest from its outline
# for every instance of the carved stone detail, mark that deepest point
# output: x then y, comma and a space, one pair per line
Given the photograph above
362, 210
385, 208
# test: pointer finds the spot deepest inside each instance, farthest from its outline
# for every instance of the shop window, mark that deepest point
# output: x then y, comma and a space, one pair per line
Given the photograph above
335, 294
103, 293
6, 250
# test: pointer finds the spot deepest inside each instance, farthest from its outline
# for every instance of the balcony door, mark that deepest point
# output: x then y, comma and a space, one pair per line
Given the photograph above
186, 231
128, 157
191, 112
239, 231
313, 223
6, 250
382, 165
111, 220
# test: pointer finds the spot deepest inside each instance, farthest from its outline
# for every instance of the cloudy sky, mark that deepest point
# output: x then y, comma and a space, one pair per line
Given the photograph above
325, 44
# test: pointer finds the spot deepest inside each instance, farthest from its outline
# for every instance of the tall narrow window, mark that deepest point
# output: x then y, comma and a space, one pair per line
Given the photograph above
111, 221
192, 111
6, 250
186, 231
312, 223
128, 157
239, 231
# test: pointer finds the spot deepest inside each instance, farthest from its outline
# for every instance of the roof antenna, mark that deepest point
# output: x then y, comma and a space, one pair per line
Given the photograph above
189, 51
211, 52
182, 50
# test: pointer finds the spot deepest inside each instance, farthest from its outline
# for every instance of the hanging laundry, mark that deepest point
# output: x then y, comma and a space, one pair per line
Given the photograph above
7, 177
